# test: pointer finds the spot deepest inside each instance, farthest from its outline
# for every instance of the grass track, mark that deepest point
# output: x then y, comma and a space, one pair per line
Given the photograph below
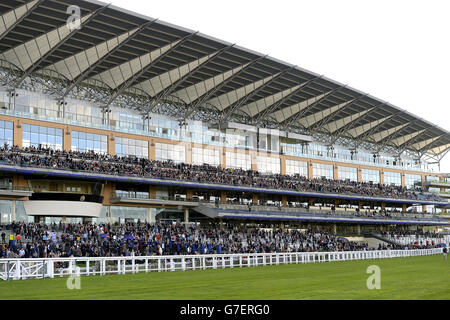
404, 279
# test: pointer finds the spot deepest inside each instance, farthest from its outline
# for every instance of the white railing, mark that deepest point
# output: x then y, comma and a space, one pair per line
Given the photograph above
16, 269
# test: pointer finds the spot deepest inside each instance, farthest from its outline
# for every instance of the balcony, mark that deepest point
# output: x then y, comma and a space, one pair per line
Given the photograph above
15, 192
319, 214
133, 198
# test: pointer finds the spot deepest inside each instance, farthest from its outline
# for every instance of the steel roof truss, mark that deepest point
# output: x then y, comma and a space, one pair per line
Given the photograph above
168, 91
36, 64
130, 82
86, 73
198, 102
18, 19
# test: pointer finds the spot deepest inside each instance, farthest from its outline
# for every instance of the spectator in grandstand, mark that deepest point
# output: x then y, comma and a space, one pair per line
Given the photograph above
115, 165
141, 239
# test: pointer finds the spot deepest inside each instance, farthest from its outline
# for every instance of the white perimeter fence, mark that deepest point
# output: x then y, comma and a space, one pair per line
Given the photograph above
16, 269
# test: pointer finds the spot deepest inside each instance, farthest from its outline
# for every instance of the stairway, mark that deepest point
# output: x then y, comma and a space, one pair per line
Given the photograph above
381, 238
206, 210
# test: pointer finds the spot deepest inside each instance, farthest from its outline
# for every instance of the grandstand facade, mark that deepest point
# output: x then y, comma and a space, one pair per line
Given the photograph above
124, 117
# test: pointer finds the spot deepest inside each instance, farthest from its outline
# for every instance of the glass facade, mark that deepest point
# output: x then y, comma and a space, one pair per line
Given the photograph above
5, 211
172, 152
122, 214
47, 137
392, 178
237, 160
268, 165
322, 170
35, 105
205, 156
132, 194
294, 167
83, 142
411, 180
6, 133
131, 147
368, 175
349, 173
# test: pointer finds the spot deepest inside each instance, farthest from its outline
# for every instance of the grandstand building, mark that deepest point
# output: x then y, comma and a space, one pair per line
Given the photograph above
126, 85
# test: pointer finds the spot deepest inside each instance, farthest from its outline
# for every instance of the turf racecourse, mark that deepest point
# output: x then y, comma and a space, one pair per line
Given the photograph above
409, 278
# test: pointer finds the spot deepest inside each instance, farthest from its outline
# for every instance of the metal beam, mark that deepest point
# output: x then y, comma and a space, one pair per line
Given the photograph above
396, 133
414, 140
19, 20
168, 91
354, 124
86, 73
228, 111
35, 65
264, 113
130, 82
331, 117
199, 101
440, 154
293, 118
372, 130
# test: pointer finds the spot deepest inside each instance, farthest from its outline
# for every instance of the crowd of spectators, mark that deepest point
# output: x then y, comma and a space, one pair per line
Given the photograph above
132, 166
395, 233
142, 239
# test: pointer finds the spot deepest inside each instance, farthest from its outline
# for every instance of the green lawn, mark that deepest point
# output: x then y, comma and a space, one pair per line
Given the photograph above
409, 278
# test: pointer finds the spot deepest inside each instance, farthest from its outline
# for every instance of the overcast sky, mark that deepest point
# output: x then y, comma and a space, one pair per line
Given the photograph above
398, 51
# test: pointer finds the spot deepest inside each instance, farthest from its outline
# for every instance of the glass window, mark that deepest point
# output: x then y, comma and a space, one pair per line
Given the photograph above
412, 179
432, 178
322, 170
294, 167
5, 211
205, 156
238, 160
84, 142
129, 147
370, 175
349, 173
122, 214
35, 136
268, 165
173, 152
392, 178
6, 133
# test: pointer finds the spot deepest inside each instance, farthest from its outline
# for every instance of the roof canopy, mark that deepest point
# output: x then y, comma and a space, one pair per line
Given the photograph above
124, 58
